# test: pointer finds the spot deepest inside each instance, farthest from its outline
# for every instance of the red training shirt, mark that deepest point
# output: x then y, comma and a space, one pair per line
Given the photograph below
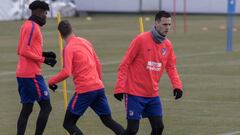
81, 61
29, 50
143, 64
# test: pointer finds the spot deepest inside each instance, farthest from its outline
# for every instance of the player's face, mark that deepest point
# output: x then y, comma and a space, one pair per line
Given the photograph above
43, 14
163, 25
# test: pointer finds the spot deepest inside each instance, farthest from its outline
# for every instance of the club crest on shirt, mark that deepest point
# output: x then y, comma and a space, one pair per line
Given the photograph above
131, 113
164, 51
45, 93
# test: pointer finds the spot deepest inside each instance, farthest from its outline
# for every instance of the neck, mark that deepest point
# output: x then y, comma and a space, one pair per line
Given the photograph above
157, 37
69, 37
161, 34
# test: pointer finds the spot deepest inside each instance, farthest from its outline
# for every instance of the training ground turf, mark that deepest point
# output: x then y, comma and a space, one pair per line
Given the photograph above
211, 76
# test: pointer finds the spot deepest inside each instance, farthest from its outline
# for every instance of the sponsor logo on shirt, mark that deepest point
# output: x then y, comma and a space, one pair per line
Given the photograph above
154, 66
164, 50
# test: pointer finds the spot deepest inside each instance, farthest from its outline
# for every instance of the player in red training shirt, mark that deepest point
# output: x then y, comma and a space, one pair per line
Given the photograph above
31, 85
139, 74
81, 61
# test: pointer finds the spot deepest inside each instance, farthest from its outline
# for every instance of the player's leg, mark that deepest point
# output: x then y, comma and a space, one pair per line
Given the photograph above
101, 107
28, 95
23, 118
132, 127
44, 103
45, 109
153, 111
134, 108
112, 124
76, 107
69, 123
157, 125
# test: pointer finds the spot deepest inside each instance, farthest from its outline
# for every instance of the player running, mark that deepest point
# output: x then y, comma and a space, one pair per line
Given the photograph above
81, 61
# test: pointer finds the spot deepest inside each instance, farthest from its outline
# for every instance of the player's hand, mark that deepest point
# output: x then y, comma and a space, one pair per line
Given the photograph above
177, 93
49, 54
119, 96
50, 61
53, 87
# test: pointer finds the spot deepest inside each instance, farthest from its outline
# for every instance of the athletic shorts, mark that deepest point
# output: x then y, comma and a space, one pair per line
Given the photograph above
32, 89
94, 99
142, 107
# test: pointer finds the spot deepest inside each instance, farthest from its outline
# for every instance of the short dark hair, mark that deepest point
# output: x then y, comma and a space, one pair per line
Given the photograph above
39, 5
65, 28
161, 14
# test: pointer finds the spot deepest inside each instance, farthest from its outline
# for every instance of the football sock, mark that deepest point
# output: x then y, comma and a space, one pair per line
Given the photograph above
23, 118
69, 123
132, 127
43, 116
113, 125
157, 125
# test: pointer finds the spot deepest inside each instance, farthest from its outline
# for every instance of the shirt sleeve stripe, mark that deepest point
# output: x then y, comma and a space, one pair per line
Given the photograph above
63, 55
31, 34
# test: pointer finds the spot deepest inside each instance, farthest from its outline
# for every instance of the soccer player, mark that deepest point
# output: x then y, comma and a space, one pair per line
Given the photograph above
81, 61
139, 74
31, 85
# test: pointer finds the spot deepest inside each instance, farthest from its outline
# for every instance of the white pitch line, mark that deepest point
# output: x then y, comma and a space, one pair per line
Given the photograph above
232, 133
202, 54
180, 56
4, 73
181, 100
68, 91
7, 73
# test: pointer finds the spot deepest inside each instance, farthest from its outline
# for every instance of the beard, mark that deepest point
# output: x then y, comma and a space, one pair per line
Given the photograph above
37, 19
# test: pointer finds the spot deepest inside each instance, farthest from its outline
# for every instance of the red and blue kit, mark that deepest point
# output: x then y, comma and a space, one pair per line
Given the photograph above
139, 74
31, 84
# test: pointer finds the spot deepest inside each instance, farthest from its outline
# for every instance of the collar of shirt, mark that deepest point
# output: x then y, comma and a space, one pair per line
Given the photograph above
72, 36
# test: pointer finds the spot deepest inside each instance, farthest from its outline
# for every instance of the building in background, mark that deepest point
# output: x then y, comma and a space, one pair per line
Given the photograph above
18, 9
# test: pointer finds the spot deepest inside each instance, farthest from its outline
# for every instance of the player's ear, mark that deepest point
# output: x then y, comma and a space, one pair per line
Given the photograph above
157, 22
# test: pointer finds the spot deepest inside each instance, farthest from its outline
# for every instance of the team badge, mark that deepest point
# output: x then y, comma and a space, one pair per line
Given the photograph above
45, 93
131, 113
164, 51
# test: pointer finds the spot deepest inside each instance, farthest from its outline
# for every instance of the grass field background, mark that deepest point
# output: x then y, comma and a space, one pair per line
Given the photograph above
211, 76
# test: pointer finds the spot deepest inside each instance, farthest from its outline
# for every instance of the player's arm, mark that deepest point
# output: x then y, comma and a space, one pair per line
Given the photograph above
26, 49
128, 58
67, 67
173, 75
